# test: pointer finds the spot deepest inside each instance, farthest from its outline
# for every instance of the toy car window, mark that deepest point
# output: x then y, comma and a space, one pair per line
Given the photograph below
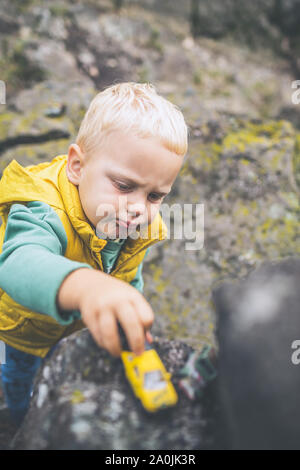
154, 380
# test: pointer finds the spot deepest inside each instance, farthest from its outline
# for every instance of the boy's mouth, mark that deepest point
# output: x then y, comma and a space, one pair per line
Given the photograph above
122, 223
126, 224
126, 228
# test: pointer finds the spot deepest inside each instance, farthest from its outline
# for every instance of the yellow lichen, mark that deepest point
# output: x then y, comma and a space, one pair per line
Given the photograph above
77, 397
160, 284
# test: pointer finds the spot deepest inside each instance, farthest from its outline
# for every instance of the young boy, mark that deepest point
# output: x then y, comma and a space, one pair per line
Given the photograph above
76, 230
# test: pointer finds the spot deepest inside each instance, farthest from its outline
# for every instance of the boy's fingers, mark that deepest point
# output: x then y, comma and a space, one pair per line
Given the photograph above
109, 333
93, 326
144, 311
149, 337
133, 328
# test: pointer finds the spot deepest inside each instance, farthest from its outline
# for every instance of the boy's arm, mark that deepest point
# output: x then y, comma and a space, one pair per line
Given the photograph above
32, 262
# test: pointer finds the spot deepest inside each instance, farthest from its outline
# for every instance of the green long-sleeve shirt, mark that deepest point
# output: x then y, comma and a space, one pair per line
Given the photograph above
32, 262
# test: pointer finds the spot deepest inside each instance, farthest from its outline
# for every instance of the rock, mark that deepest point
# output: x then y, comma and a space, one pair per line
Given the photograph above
244, 20
273, 23
8, 25
259, 334
82, 400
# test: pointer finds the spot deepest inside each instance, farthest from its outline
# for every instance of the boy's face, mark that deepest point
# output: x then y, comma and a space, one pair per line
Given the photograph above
124, 180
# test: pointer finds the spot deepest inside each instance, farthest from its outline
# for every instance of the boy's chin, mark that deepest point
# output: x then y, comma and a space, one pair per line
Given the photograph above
125, 232
119, 232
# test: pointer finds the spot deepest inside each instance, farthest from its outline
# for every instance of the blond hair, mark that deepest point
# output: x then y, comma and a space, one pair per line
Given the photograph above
137, 108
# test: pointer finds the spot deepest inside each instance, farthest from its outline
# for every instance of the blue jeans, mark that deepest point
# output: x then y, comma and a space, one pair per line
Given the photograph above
18, 374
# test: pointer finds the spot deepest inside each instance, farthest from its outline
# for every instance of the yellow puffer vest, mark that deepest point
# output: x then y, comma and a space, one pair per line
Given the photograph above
33, 332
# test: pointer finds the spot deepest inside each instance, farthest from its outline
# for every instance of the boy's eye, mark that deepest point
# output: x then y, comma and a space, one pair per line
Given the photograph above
155, 197
122, 187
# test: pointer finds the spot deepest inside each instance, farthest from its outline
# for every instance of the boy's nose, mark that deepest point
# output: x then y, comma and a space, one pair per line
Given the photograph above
135, 210
134, 214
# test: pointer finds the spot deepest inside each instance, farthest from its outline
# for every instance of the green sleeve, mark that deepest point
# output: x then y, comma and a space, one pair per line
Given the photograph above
32, 262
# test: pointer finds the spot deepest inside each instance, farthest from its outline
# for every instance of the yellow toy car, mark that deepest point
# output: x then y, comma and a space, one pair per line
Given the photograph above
149, 380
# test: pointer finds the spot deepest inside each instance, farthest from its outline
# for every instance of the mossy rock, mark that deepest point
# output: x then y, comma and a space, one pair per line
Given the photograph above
242, 172
31, 154
296, 161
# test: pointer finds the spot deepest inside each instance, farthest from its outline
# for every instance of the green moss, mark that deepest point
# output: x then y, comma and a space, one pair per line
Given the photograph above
36, 120
197, 78
207, 157
176, 328
25, 123
154, 41
267, 91
184, 169
279, 236
17, 71
296, 160
59, 11
6, 120
30, 154
143, 74
291, 200
215, 74
22, 6
254, 230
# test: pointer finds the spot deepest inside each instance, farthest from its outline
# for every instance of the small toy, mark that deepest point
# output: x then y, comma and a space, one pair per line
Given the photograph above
149, 379
198, 371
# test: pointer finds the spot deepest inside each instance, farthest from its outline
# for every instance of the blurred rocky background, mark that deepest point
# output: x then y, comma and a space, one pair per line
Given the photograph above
229, 65
258, 337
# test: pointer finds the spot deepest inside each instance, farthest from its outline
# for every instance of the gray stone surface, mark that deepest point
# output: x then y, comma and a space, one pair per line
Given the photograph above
82, 400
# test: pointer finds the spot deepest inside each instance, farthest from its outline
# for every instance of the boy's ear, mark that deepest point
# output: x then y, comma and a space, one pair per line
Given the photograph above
74, 164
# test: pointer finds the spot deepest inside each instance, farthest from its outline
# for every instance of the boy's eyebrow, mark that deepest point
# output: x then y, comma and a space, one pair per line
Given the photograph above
131, 181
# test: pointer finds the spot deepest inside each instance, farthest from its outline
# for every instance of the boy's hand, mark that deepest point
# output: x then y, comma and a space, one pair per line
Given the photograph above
104, 301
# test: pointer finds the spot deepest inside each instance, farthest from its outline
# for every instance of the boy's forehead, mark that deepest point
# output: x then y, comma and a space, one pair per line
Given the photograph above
142, 161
